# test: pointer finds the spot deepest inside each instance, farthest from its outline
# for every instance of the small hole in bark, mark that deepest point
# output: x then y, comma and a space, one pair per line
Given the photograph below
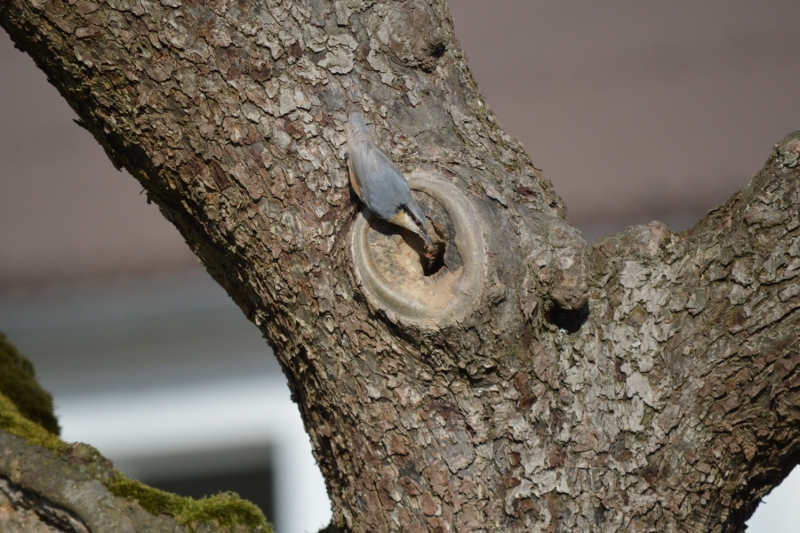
433, 260
438, 50
570, 320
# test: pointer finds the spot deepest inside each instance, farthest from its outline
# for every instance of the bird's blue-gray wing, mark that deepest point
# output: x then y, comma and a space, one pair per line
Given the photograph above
390, 190
377, 181
362, 161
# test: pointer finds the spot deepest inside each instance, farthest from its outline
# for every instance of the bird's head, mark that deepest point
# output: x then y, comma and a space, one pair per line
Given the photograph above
410, 216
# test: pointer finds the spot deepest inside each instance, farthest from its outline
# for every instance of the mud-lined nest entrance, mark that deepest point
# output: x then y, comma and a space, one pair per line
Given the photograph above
410, 283
401, 255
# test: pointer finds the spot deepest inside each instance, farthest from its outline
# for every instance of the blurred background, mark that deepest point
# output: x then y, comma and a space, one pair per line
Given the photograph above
635, 110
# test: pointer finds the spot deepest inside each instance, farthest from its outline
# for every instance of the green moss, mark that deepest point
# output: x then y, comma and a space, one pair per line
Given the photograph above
27, 412
227, 508
18, 383
12, 421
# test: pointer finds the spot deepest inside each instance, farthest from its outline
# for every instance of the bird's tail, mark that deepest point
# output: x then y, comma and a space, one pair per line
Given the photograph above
357, 120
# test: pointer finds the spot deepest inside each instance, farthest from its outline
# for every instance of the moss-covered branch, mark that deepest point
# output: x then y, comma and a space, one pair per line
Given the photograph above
77, 478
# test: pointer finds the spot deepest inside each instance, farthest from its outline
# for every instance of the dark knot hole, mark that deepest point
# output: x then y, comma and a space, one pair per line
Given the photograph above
433, 260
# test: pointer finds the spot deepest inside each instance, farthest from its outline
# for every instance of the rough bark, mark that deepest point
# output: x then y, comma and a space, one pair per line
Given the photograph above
491, 395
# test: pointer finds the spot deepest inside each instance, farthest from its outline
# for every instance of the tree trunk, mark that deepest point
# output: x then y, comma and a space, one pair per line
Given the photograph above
521, 382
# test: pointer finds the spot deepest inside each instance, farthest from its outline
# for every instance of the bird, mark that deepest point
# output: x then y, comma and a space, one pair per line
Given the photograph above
379, 183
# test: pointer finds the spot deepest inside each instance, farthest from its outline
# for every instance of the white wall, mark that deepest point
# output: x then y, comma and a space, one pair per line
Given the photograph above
131, 427
779, 511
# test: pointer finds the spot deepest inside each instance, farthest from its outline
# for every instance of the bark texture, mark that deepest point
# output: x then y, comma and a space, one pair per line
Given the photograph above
45, 492
22, 511
647, 384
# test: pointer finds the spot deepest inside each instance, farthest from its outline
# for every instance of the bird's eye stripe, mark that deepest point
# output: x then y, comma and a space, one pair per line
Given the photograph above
411, 215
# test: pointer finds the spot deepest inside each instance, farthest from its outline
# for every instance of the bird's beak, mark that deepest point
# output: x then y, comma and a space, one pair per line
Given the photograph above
427, 239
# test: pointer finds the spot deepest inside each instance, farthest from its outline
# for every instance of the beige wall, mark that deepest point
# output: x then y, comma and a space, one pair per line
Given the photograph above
638, 108
635, 110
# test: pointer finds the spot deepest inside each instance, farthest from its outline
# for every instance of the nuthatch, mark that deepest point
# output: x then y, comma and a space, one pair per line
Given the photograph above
380, 184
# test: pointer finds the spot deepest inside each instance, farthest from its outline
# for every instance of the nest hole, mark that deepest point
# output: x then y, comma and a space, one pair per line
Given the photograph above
443, 255
570, 320
433, 260
438, 50
399, 274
